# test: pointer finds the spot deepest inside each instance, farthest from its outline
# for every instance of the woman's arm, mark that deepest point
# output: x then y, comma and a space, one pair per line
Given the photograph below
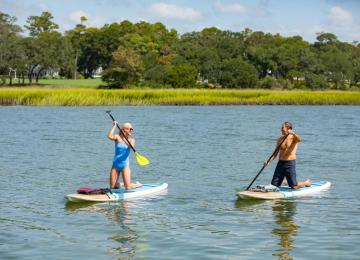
111, 134
132, 141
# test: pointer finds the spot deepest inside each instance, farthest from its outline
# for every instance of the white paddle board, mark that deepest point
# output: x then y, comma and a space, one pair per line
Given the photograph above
286, 192
119, 194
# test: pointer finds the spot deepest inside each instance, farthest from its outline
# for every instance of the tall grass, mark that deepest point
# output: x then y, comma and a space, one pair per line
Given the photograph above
102, 97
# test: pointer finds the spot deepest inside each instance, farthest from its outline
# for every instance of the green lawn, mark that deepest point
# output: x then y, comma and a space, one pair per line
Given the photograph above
72, 83
67, 83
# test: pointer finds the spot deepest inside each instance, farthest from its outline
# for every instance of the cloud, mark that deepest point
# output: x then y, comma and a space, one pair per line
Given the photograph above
238, 9
174, 12
340, 17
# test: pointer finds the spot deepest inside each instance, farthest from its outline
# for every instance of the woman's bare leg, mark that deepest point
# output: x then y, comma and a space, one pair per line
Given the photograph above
114, 176
126, 175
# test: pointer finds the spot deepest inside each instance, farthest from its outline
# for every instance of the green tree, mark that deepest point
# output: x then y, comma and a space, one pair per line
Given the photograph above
181, 76
261, 50
42, 23
293, 55
315, 81
125, 68
326, 37
356, 63
10, 47
206, 50
237, 73
93, 51
7, 25
335, 59
47, 51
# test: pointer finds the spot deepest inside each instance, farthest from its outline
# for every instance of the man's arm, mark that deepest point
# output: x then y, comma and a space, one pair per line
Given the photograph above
296, 137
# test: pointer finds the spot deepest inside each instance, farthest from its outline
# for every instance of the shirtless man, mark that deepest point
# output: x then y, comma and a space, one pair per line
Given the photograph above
286, 164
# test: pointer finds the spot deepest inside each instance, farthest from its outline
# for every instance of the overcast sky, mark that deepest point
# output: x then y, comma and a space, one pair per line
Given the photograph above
287, 17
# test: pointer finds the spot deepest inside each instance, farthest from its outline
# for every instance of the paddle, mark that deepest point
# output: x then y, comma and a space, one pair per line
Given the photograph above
275, 151
142, 160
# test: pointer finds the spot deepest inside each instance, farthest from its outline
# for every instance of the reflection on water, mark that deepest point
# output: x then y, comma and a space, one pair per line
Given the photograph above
285, 228
250, 205
126, 236
119, 213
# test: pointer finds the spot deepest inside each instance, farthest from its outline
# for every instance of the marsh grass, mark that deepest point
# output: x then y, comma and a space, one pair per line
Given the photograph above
102, 97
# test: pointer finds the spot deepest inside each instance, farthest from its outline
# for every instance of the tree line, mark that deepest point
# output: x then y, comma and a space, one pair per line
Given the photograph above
150, 55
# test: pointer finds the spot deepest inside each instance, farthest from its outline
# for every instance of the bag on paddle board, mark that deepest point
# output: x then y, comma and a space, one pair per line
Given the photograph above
90, 191
265, 188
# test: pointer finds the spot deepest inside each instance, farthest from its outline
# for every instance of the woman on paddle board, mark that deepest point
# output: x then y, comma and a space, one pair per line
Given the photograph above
121, 158
285, 168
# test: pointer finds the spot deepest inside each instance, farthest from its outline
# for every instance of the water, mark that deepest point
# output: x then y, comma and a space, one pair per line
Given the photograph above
205, 154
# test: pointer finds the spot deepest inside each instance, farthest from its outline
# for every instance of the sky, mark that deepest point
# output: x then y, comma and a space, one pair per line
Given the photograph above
305, 18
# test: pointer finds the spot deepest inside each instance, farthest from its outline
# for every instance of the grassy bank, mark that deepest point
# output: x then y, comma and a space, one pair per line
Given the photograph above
97, 97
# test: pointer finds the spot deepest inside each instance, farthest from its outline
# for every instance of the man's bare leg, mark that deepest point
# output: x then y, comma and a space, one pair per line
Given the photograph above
301, 184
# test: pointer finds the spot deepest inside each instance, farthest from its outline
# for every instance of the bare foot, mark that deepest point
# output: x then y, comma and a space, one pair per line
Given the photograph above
118, 185
135, 185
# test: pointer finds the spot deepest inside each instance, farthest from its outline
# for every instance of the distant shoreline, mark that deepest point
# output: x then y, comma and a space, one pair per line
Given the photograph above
50, 96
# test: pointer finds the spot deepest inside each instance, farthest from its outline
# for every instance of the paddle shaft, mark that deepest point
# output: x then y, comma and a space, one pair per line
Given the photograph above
121, 131
268, 160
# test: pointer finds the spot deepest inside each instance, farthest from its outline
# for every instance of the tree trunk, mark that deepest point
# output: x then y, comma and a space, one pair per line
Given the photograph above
10, 79
30, 73
38, 75
75, 70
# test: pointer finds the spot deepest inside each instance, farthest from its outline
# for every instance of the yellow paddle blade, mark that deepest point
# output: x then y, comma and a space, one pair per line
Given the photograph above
142, 160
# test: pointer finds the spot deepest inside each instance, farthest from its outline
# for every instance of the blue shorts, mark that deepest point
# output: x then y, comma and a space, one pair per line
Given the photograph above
285, 169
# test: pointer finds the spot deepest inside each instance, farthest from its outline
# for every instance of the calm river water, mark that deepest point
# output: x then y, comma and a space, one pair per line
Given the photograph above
205, 154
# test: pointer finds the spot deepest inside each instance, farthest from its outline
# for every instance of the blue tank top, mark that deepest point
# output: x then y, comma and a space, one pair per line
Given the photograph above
121, 157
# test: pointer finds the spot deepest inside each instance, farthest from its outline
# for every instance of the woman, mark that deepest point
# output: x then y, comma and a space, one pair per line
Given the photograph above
121, 158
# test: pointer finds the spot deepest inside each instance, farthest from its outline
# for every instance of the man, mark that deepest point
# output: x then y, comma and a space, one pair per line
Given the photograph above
287, 158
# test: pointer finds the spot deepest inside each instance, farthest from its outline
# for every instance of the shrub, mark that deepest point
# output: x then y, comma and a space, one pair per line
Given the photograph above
268, 82
3, 79
181, 76
238, 73
315, 81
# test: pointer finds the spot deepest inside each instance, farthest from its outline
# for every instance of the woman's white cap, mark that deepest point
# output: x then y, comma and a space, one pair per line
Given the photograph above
127, 125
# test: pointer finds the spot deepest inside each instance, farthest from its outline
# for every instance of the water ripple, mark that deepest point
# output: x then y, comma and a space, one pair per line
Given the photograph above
205, 154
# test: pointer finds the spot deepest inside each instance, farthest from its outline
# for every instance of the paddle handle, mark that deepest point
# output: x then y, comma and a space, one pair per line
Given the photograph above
121, 131
268, 160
